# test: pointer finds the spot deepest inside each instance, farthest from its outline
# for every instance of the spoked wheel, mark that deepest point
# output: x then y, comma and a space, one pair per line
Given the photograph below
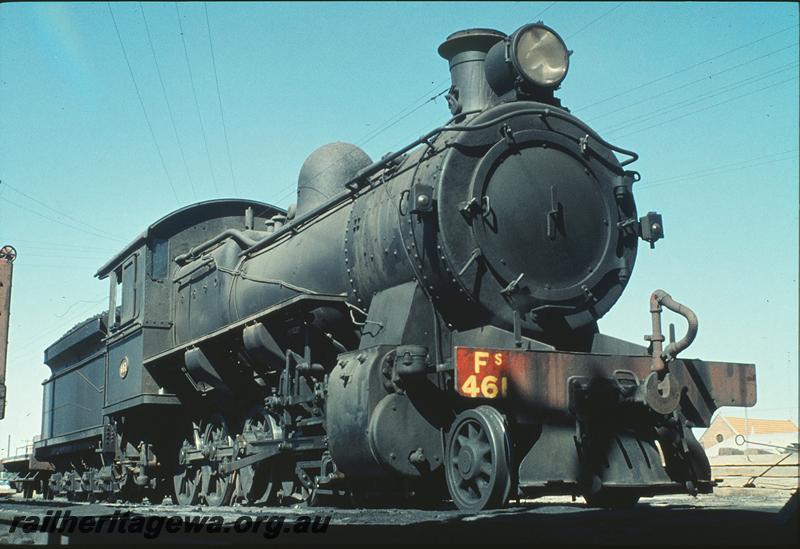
257, 482
477, 461
217, 487
8, 253
186, 480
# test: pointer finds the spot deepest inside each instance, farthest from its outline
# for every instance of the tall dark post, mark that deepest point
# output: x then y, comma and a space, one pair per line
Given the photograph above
7, 256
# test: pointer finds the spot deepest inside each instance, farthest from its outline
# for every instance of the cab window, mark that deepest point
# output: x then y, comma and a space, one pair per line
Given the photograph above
128, 305
122, 301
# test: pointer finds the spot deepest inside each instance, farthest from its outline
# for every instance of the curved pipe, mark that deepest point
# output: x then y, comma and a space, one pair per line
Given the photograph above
661, 357
237, 235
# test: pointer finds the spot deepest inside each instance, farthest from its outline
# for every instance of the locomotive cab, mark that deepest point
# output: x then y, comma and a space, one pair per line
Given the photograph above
141, 297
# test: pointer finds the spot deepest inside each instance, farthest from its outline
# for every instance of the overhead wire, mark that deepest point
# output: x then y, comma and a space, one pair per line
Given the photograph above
166, 100
684, 69
219, 98
77, 315
593, 21
54, 246
538, 15
95, 230
655, 113
62, 315
60, 222
394, 121
405, 112
141, 103
196, 102
288, 190
768, 87
703, 78
719, 169
50, 255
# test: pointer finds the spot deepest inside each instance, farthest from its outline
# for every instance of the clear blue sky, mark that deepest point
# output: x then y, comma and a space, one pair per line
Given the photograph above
707, 93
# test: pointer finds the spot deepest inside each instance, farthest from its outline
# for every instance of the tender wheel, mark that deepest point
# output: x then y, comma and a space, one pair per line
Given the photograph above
217, 487
477, 460
257, 482
619, 499
186, 480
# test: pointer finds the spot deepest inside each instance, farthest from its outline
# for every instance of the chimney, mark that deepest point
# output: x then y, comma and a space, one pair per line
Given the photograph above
466, 50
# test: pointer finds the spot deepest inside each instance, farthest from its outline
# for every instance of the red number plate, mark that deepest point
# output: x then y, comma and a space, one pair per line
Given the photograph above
481, 373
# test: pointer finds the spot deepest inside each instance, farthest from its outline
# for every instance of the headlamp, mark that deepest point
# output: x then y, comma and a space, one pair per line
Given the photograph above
534, 59
539, 55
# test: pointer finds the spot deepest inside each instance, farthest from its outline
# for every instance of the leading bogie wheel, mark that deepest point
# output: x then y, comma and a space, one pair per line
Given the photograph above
478, 460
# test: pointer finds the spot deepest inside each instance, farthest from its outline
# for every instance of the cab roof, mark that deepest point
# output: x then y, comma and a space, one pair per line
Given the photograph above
185, 217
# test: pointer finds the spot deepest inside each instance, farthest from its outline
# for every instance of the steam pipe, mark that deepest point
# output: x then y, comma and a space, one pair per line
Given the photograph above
237, 235
660, 355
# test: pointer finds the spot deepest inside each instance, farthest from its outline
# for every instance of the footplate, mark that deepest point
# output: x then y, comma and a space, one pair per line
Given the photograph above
539, 381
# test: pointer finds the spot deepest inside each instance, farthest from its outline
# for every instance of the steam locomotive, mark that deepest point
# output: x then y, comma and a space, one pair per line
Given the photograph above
414, 329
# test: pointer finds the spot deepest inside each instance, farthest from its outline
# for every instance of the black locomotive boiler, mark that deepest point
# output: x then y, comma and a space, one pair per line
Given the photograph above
423, 326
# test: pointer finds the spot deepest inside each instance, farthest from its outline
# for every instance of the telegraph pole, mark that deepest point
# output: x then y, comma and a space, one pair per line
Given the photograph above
7, 256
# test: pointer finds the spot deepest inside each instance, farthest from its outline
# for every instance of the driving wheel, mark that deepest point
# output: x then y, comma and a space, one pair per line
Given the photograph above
217, 487
186, 480
257, 481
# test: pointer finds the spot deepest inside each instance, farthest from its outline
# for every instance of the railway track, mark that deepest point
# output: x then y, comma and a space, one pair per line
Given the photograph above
762, 519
